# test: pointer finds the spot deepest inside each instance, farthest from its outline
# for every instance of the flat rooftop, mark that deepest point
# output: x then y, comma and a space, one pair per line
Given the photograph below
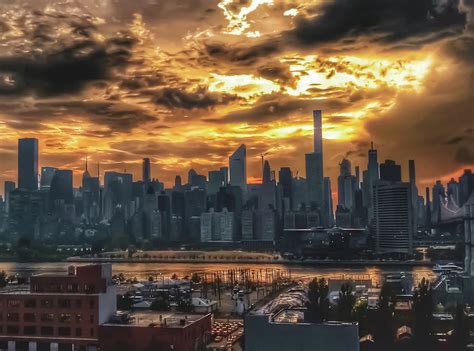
159, 319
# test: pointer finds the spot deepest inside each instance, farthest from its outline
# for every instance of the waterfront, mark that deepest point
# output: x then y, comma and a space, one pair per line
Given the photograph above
144, 270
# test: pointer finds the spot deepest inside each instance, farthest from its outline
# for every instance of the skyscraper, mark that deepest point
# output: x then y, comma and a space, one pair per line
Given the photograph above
414, 191
393, 217
390, 171
146, 172
266, 173
238, 168
28, 163
47, 174
216, 181
328, 211
346, 185
9, 186
369, 177
318, 132
314, 166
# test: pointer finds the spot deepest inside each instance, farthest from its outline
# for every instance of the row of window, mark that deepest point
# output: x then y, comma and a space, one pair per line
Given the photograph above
46, 317
47, 303
60, 288
45, 331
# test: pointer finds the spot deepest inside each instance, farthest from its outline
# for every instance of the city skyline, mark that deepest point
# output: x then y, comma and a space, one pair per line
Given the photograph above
120, 82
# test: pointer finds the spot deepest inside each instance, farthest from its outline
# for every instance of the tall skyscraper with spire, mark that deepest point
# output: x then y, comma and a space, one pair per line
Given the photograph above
238, 168
370, 176
314, 166
146, 171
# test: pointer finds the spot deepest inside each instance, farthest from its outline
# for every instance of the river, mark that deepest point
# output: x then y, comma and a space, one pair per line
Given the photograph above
144, 270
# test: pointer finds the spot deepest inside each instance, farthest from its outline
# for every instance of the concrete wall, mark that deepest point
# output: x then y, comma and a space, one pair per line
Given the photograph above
261, 335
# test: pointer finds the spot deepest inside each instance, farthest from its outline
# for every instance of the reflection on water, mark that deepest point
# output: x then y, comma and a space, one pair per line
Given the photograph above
144, 270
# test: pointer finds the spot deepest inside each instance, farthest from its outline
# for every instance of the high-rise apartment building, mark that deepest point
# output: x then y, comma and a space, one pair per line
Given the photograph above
238, 168
28, 163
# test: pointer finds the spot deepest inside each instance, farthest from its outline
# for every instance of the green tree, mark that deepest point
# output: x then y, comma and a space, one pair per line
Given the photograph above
124, 302
384, 320
346, 303
160, 304
184, 305
423, 309
318, 302
196, 278
461, 329
361, 316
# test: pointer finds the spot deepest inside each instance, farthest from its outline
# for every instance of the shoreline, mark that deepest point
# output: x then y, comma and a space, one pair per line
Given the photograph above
332, 263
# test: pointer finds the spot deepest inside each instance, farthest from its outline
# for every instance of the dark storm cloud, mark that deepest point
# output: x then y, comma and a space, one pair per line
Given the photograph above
240, 55
387, 21
432, 127
199, 99
465, 155
278, 107
63, 71
173, 149
397, 24
277, 72
118, 117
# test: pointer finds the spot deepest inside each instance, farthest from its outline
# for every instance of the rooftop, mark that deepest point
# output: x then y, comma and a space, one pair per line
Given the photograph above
158, 319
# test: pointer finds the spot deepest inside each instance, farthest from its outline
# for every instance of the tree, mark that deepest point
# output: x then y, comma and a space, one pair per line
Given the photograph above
3, 279
423, 309
318, 302
184, 305
346, 303
160, 304
361, 316
196, 278
384, 326
131, 251
461, 329
124, 302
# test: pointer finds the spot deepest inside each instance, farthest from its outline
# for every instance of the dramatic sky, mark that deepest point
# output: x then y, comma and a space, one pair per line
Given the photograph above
185, 82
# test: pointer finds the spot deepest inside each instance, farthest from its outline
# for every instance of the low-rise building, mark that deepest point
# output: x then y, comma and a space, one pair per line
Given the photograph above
151, 331
59, 312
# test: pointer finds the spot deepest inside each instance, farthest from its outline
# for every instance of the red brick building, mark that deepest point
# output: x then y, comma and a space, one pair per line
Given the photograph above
60, 312
151, 331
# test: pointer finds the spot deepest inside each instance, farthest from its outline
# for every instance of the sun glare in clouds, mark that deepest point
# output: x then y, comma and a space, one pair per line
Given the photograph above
238, 23
244, 85
355, 73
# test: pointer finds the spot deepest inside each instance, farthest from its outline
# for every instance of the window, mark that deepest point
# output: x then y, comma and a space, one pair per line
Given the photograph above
78, 303
64, 303
92, 331
47, 303
91, 319
47, 317
13, 317
91, 303
78, 332
29, 330
65, 318
29, 317
13, 303
64, 331
78, 318
13, 330
30, 303
47, 331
